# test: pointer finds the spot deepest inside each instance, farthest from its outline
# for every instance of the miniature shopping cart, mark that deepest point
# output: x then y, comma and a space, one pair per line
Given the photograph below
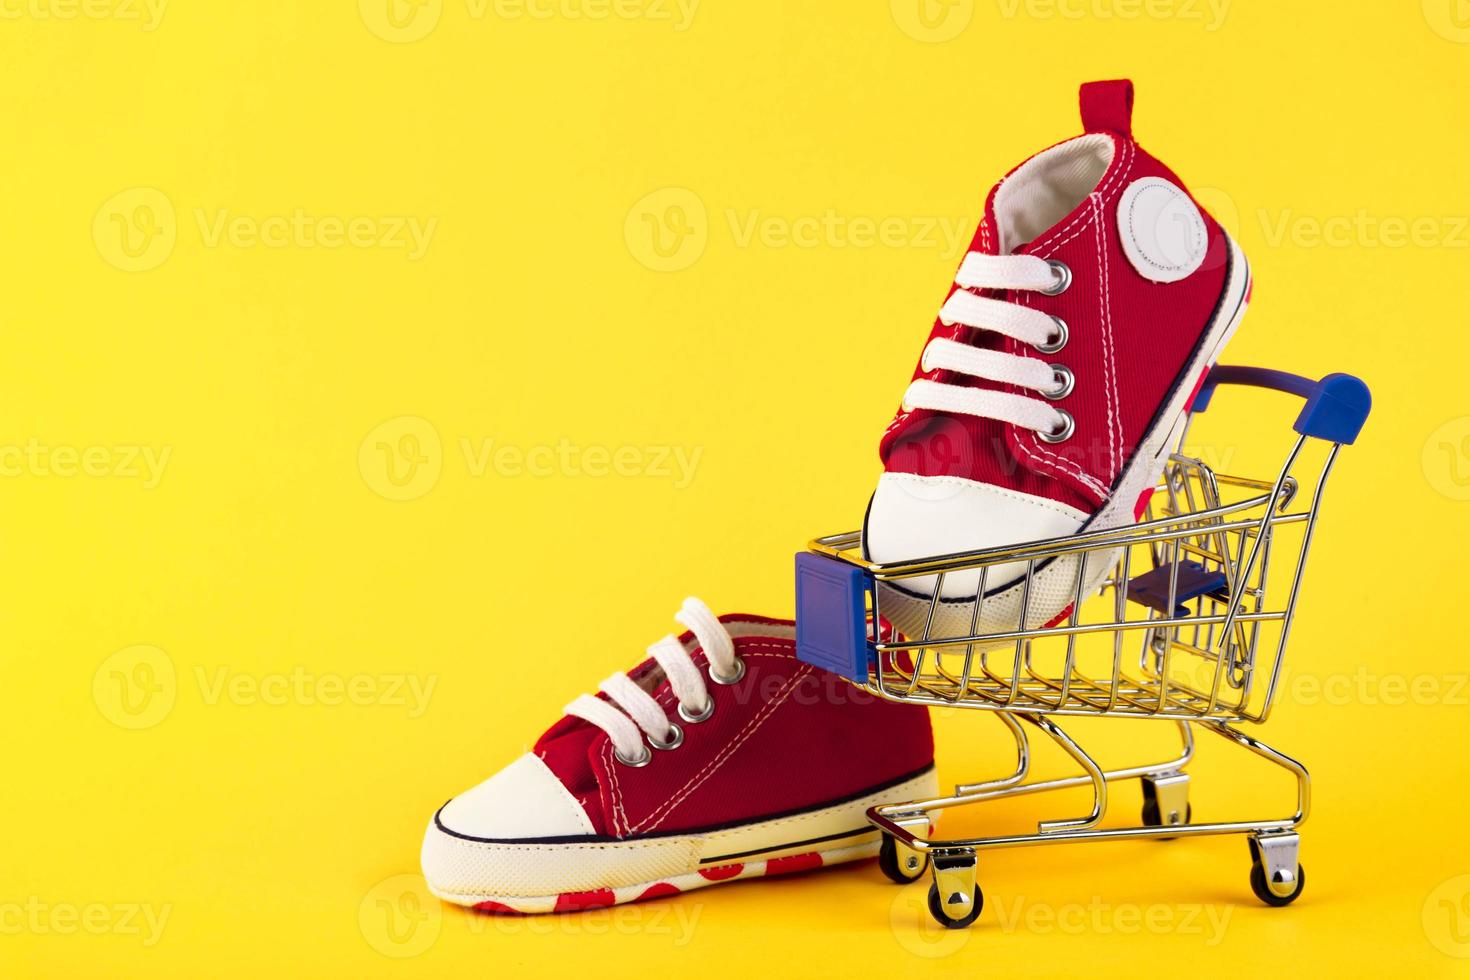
1183, 616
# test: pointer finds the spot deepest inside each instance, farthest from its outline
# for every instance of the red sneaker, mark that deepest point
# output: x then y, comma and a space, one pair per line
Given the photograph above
1095, 296
721, 757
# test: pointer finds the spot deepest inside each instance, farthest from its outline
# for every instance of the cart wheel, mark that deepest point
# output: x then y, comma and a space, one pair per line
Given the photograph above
1151, 817
1263, 890
901, 864
942, 916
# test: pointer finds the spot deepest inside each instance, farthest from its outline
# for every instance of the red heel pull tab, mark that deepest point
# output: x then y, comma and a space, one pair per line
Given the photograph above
1107, 107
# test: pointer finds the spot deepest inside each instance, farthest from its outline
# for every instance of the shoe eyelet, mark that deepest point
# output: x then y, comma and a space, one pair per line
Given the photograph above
637, 762
703, 714
1052, 346
733, 678
1064, 278
1061, 434
675, 739
1065, 382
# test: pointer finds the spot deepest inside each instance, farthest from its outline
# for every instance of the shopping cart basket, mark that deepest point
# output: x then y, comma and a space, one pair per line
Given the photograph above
1184, 616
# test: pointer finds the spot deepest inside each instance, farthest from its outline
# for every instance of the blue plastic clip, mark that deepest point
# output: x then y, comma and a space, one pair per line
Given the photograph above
831, 616
1191, 581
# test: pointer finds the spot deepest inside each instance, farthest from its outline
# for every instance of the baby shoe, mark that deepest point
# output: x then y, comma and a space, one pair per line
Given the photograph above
1058, 375
720, 757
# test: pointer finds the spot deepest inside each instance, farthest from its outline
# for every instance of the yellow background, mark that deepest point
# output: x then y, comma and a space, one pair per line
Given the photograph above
205, 693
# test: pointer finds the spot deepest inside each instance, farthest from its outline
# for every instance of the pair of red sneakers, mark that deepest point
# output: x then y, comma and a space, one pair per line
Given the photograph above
1095, 295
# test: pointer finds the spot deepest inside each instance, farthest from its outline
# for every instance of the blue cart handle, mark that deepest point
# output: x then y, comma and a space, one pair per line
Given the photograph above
1337, 406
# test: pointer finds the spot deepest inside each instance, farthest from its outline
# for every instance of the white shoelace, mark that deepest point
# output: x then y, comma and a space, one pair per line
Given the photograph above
1044, 332
641, 715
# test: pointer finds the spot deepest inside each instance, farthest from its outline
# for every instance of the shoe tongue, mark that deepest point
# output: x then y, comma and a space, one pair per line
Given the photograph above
571, 750
566, 748
1024, 205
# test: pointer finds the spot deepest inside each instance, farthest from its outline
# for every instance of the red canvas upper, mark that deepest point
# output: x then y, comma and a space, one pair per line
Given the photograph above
785, 737
1130, 339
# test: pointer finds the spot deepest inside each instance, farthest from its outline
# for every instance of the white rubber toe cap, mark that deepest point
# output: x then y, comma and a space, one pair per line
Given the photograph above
473, 844
921, 516
491, 843
523, 800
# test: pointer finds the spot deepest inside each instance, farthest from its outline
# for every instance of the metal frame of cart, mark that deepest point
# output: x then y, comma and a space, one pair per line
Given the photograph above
1188, 623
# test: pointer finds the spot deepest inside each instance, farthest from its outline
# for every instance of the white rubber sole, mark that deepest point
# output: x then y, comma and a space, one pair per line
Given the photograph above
530, 877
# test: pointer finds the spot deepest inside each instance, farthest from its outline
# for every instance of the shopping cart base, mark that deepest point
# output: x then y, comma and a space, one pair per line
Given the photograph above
955, 899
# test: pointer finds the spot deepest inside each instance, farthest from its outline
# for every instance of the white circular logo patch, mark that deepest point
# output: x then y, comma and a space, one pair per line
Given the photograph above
1163, 232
